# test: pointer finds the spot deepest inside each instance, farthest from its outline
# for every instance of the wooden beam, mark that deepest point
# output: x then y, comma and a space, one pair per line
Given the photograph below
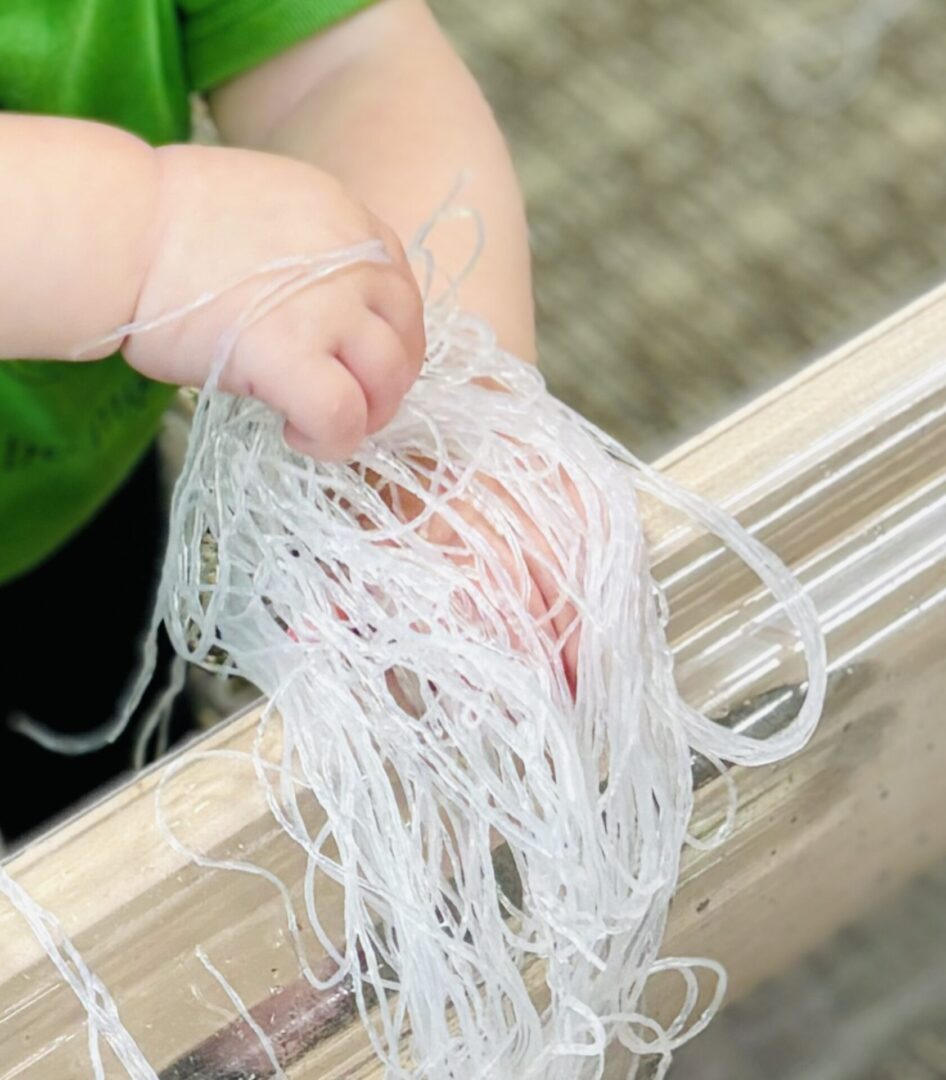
842, 471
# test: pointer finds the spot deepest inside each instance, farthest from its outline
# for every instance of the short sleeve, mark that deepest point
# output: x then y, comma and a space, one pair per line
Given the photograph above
224, 38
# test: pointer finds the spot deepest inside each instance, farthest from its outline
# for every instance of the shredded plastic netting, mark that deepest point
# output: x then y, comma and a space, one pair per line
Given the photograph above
104, 1021
462, 639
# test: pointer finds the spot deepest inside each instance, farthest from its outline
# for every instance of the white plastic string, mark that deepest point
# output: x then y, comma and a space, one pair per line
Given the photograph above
243, 1012
296, 272
103, 1020
461, 635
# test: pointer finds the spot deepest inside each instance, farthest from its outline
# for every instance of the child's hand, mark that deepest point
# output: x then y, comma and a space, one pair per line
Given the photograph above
533, 573
334, 359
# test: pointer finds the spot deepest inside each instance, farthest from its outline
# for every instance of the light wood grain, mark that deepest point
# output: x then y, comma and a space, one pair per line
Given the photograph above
843, 472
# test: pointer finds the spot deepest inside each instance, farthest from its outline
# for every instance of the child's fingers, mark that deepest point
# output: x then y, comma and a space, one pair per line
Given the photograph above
518, 573
394, 293
376, 356
394, 296
325, 409
544, 570
324, 406
335, 361
391, 241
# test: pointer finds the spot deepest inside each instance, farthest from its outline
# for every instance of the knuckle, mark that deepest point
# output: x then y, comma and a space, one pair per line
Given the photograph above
344, 422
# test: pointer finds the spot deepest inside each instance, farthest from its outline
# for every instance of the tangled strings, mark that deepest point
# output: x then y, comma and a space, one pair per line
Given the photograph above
460, 634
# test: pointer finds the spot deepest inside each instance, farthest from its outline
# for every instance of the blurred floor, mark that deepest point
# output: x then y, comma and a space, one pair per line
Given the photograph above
870, 1005
704, 221
698, 233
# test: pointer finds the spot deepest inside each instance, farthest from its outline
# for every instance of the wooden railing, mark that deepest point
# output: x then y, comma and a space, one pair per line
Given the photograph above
843, 472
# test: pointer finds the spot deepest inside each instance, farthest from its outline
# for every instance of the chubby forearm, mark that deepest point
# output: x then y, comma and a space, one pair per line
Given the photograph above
77, 201
384, 103
99, 230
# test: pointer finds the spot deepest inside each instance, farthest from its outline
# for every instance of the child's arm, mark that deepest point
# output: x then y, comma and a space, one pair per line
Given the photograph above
77, 202
384, 103
99, 230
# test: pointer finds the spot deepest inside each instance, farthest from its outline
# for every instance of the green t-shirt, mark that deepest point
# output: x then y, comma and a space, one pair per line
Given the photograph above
71, 432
